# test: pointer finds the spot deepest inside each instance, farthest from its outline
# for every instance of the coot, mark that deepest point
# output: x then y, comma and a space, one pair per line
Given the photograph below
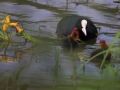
76, 27
103, 46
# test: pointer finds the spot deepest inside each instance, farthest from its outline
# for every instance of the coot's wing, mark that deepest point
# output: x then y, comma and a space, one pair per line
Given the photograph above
66, 25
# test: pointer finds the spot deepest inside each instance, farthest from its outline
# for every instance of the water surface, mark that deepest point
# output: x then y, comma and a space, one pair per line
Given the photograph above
40, 19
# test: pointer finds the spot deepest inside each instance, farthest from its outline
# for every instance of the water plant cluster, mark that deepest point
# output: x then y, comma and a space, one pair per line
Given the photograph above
6, 35
12, 82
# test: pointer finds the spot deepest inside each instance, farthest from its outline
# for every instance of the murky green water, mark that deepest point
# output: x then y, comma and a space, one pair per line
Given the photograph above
45, 14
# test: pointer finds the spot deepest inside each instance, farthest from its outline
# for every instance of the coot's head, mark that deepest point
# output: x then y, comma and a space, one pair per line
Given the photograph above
82, 26
103, 44
80, 31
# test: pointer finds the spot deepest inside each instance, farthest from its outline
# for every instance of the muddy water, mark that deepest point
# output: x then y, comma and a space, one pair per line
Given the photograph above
45, 14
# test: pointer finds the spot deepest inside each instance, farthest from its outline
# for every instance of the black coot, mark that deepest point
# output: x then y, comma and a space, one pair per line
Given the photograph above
67, 24
76, 27
103, 46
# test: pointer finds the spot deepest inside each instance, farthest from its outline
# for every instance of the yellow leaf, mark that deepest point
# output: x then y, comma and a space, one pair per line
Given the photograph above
19, 29
7, 19
5, 26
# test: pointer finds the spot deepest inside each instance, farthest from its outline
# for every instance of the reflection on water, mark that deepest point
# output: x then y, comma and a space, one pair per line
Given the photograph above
46, 65
11, 53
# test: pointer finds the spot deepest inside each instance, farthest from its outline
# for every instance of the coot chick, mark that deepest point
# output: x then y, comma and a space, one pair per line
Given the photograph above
69, 43
103, 46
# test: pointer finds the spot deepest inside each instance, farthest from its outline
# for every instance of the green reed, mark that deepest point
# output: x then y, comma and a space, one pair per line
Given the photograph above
12, 82
56, 68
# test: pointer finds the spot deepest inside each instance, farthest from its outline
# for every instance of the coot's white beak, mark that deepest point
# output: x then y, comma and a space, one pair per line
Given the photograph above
84, 24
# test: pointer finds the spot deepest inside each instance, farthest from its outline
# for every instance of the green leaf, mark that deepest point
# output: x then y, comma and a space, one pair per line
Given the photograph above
4, 35
57, 56
4, 83
113, 72
19, 71
32, 39
1, 34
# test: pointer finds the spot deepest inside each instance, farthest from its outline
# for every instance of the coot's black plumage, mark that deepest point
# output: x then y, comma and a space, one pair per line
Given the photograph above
67, 24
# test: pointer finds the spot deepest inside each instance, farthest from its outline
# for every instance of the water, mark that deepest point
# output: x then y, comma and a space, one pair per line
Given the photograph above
41, 59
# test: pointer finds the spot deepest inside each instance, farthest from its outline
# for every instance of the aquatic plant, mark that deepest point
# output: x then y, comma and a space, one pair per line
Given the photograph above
6, 35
